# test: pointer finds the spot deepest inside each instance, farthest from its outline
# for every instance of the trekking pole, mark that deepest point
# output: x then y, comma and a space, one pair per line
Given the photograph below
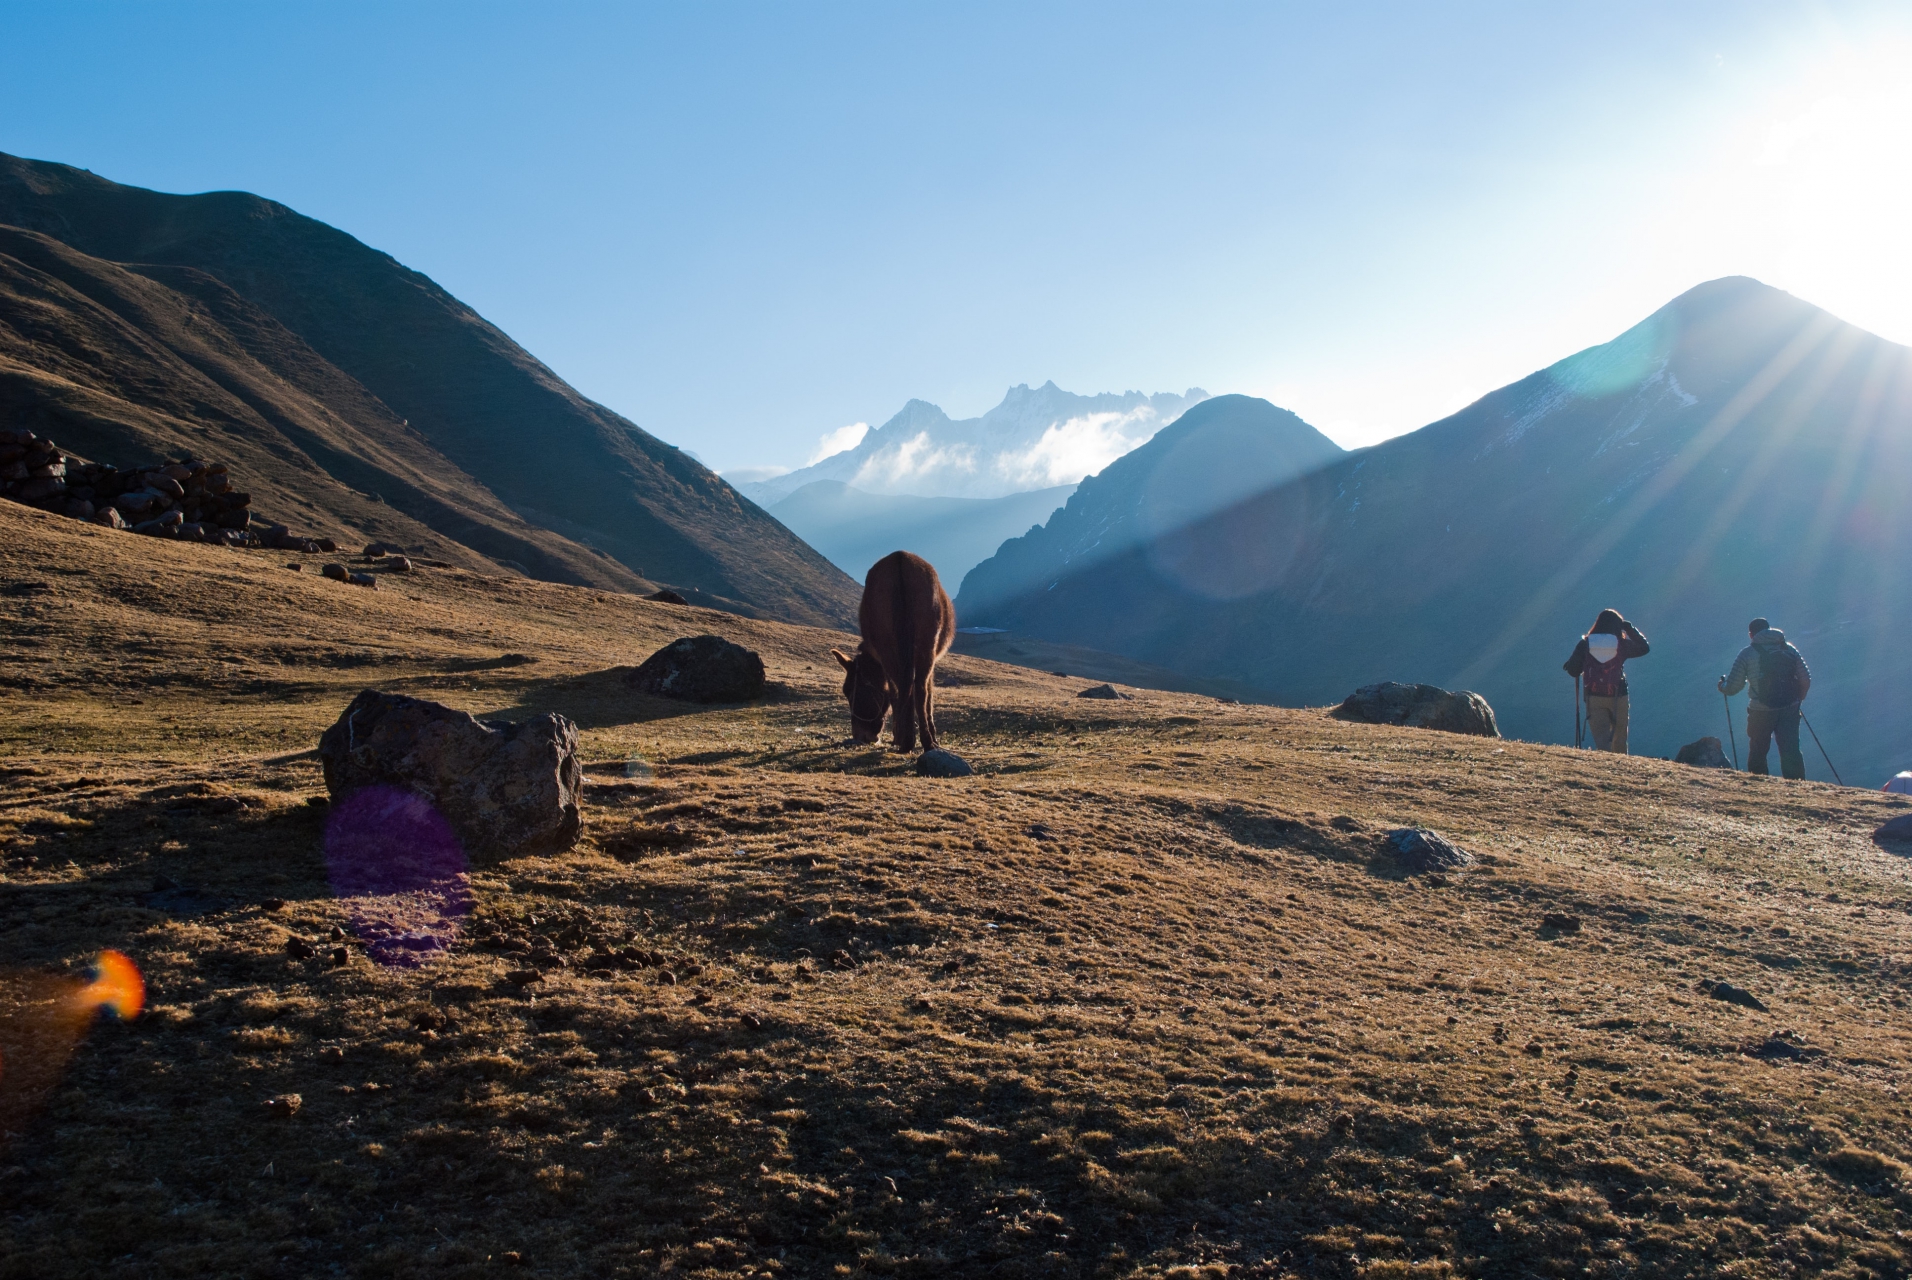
1822, 747
1578, 735
1724, 697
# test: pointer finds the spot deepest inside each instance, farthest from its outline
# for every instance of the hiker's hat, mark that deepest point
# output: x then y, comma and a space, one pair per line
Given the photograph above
1602, 647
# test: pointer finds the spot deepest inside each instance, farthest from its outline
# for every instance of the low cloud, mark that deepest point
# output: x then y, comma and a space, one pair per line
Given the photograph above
1077, 447
842, 440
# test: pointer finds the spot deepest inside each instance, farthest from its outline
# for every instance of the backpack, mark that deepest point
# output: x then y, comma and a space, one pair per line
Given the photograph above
1779, 675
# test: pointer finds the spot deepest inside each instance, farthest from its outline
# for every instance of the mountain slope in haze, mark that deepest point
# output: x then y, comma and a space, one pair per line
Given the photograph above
354, 372
1219, 452
1738, 453
1035, 439
856, 529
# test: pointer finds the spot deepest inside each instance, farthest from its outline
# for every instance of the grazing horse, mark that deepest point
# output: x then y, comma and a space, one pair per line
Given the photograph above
907, 623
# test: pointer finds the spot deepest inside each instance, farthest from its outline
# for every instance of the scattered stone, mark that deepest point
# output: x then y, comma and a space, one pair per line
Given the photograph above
1707, 753
300, 949
1731, 994
1419, 706
362, 580
373, 550
1782, 1046
1041, 831
1063, 674
666, 597
751, 1021
340, 957
506, 789
1560, 923
701, 669
399, 564
176, 899
336, 933
336, 572
1420, 851
296, 566
1897, 831
284, 1105
271, 904
938, 763
1106, 691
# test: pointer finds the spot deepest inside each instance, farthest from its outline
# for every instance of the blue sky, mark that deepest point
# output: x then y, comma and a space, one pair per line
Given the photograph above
747, 226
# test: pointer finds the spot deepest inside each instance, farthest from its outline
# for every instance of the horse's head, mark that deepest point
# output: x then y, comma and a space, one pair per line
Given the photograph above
867, 691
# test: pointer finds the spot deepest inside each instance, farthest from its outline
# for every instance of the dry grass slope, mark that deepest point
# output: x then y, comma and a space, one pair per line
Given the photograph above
1142, 998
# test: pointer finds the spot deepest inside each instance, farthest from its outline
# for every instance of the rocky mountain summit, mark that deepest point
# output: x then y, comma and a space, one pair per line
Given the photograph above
1035, 439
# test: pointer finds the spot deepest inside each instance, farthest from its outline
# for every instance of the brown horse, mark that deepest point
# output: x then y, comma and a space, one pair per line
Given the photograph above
907, 623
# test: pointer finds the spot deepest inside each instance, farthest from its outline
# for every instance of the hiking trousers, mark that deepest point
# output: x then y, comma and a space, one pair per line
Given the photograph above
1607, 718
1763, 724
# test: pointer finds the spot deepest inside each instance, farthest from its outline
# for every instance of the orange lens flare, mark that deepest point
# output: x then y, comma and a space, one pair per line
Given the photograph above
116, 986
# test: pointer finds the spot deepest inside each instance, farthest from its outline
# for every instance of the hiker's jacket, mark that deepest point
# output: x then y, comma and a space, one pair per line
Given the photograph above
1607, 679
1761, 664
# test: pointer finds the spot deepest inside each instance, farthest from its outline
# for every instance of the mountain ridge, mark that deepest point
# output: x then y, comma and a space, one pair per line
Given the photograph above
435, 376
1737, 453
1034, 438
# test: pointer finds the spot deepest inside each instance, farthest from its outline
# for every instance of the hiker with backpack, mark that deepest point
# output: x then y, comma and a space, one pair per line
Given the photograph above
1779, 682
1598, 661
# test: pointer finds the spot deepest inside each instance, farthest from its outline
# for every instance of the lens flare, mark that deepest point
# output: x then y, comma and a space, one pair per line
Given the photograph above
116, 986
396, 864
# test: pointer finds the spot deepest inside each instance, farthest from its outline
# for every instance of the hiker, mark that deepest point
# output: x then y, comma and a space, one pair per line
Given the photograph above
1598, 658
1780, 682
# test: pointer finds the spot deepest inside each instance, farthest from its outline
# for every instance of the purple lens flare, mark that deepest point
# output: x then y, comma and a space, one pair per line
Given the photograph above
397, 864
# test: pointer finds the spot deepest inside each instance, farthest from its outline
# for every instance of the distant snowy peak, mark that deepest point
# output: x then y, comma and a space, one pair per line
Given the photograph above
1035, 439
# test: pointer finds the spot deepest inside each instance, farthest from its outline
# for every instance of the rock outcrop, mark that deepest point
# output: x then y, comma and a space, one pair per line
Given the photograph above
1707, 753
506, 789
701, 669
189, 500
1419, 706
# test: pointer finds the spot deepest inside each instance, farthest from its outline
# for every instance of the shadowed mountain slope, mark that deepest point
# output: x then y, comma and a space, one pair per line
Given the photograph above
1738, 453
1216, 454
225, 322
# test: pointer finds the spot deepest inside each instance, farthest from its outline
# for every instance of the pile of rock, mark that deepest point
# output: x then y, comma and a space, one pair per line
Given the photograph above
188, 500
1419, 706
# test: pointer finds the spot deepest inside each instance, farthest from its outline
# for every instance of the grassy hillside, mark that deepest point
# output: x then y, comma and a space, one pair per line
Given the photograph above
1142, 998
133, 322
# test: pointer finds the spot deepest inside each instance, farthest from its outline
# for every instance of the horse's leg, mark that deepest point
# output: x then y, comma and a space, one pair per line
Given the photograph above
903, 714
922, 688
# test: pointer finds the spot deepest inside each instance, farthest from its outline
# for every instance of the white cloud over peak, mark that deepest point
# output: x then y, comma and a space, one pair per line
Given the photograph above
842, 440
1077, 447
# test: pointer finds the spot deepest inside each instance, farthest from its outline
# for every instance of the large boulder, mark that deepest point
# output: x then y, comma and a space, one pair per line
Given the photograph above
1707, 753
701, 669
1419, 706
1422, 852
505, 788
1897, 832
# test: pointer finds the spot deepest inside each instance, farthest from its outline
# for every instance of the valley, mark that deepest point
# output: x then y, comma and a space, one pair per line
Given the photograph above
1145, 997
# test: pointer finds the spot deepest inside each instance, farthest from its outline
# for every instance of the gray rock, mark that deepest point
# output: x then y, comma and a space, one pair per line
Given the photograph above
1707, 753
336, 572
1898, 831
1419, 850
362, 580
666, 596
506, 789
1733, 995
701, 669
1419, 706
938, 763
1102, 691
